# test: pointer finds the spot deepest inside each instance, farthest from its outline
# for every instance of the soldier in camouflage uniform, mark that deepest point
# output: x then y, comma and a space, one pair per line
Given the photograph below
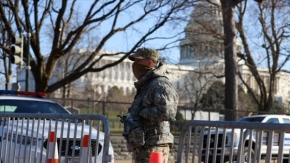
147, 126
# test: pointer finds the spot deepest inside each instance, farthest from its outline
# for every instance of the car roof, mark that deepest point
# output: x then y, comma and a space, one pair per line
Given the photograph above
267, 115
29, 98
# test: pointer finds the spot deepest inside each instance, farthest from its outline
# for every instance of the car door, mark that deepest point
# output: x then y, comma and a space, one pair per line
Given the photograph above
275, 140
286, 120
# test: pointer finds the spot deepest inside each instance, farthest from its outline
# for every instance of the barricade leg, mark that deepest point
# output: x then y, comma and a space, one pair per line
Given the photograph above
85, 150
52, 152
156, 157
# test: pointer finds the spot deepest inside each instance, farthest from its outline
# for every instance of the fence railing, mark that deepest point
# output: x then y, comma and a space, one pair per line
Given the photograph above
111, 109
216, 142
39, 138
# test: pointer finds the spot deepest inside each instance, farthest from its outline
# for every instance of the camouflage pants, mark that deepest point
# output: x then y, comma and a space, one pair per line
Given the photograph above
142, 154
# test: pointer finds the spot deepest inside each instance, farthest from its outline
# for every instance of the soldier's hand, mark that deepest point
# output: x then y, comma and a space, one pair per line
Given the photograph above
122, 118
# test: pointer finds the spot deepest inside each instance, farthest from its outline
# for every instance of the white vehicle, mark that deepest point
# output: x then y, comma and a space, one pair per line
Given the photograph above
281, 119
28, 139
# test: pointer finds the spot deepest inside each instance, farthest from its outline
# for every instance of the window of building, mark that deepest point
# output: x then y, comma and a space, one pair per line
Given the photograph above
187, 51
128, 70
181, 52
123, 71
248, 79
177, 85
276, 88
116, 75
128, 90
255, 87
110, 72
266, 82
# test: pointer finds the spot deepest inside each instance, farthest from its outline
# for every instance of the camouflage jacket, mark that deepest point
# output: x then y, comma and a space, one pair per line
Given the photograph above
155, 104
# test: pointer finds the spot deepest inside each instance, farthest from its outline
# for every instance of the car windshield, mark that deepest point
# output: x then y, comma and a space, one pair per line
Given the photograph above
251, 119
25, 106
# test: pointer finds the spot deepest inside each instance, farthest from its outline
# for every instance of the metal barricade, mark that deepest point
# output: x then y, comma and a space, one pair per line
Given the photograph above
234, 142
40, 138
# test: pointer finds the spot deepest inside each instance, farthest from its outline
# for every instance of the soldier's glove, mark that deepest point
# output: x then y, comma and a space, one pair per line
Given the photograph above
122, 118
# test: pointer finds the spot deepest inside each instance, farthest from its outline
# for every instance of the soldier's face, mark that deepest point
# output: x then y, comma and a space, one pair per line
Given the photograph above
145, 62
139, 70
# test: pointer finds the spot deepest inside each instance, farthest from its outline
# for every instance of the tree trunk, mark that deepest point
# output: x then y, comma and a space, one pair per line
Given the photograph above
41, 81
228, 7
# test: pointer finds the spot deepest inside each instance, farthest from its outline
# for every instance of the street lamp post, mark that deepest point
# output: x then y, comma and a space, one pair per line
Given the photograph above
88, 98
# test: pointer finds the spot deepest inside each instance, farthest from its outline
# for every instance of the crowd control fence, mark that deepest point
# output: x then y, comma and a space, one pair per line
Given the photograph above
41, 138
111, 109
237, 142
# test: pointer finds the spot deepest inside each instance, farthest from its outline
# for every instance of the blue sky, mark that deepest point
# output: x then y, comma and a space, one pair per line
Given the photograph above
124, 41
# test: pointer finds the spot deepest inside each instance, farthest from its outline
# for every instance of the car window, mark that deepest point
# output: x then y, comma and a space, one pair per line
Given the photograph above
272, 120
25, 106
251, 119
7, 108
286, 120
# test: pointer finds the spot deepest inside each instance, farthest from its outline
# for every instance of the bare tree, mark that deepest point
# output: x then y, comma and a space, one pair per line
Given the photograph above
196, 83
273, 20
210, 36
231, 96
202, 47
4, 53
228, 37
31, 17
116, 94
214, 99
204, 37
68, 63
